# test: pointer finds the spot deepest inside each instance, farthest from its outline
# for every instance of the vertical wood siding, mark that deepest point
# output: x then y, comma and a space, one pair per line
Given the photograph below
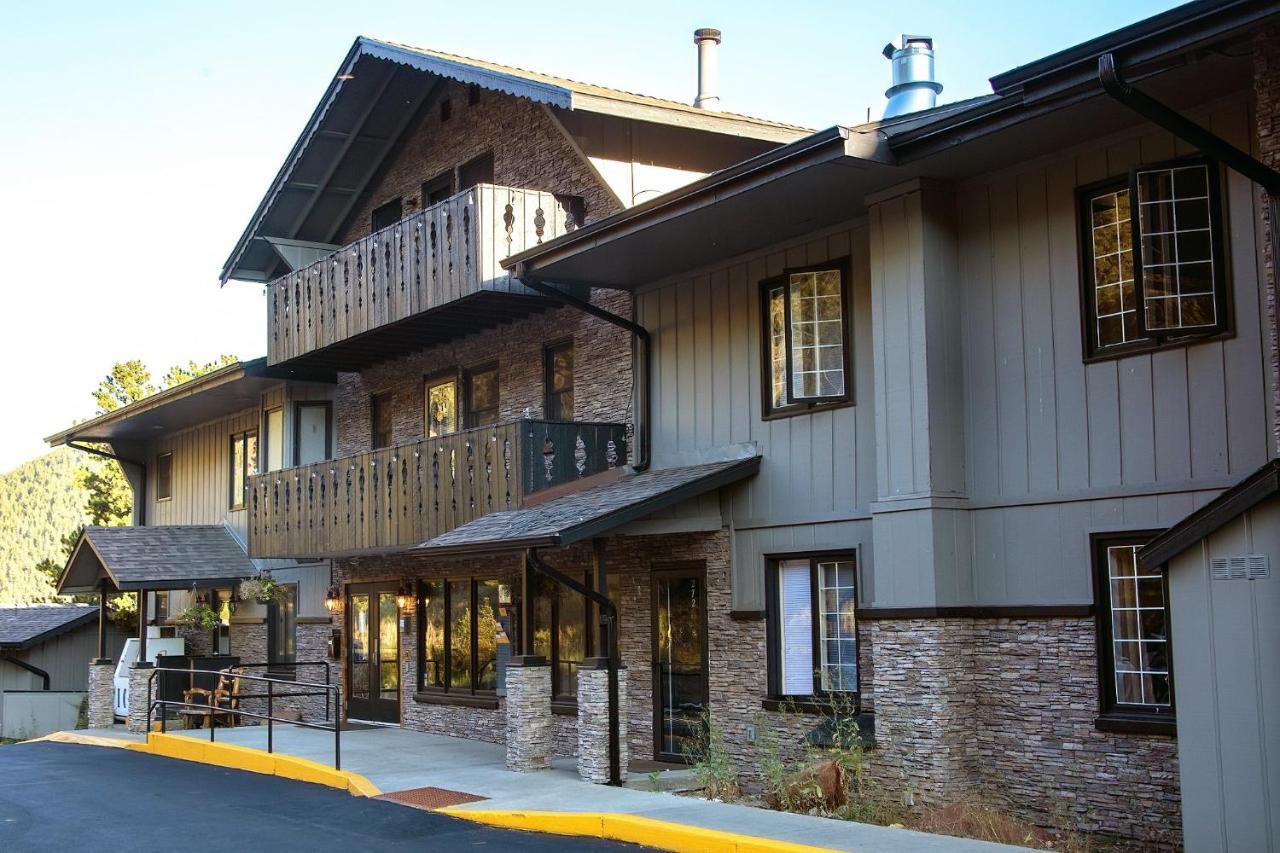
817, 478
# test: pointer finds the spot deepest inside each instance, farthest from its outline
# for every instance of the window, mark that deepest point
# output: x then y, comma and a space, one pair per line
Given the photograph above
441, 397
380, 420
312, 432
160, 608
1157, 277
559, 381
462, 627
244, 464
806, 339
812, 610
273, 439
473, 95
164, 476
446, 110
437, 189
1134, 672
386, 215
482, 396
282, 628
561, 633
478, 170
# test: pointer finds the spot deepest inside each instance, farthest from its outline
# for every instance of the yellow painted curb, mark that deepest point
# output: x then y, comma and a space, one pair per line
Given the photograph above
675, 837
87, 740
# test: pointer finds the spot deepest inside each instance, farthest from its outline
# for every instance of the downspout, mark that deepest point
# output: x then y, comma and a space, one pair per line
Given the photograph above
34, 670
644, 430
1215, 146
610, 611
142, 488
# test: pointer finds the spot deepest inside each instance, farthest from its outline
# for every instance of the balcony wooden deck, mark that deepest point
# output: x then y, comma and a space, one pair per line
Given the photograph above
389, 499
436, 258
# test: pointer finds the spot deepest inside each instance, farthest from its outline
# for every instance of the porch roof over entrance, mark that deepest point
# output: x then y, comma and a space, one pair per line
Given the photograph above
162, 557
590, 512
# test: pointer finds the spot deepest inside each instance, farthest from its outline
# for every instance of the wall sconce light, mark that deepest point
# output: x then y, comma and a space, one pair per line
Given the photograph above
404, 596
333, 598
504, 594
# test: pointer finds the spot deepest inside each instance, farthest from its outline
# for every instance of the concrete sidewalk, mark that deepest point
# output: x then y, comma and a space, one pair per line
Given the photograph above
398, 759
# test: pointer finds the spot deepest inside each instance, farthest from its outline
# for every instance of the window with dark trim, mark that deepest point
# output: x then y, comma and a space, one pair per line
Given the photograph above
1152, 259
386, 215
312, 432
1135, 675
805, 320
811, 603
446, 109
164, 476
462, 628
561, 633
160, 607
380, 428
477, 170
473, 95
282, 628
481, 396
437, 189
558, 381
244, 464
273, 439
440, 404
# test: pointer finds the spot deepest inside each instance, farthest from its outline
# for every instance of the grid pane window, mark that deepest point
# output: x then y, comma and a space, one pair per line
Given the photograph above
244, 464
1176, 220
838, 642
1115, 299
806, 339
1139, 631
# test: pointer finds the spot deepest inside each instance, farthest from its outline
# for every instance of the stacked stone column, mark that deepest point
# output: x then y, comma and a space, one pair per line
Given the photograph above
139, 682
101, 693
593, 721
528, 714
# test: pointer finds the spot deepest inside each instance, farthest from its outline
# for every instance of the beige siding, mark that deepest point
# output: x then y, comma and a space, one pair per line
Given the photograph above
201, 474
818, 474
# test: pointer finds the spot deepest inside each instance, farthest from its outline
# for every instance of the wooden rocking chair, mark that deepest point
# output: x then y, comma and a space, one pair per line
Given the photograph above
223, 701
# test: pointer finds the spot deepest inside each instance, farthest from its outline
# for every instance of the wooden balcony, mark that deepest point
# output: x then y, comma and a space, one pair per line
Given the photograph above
389, 499
427, 278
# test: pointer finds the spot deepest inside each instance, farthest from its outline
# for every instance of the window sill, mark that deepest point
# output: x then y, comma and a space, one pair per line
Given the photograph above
564, 707
1157, 345
794, 411
464, 700
805, 706
284, 672
1137, 724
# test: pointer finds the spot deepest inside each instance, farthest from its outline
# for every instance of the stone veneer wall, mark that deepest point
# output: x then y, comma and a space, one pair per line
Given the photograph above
1266, 89
530, 151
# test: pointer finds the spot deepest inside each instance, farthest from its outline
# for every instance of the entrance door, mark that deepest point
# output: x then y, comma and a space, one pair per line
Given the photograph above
679, 659
373, 653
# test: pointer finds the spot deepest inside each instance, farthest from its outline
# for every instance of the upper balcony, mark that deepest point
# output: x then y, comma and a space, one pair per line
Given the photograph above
426, 279
396, 497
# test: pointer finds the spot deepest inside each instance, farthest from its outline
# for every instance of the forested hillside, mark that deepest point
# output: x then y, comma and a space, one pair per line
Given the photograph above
40, 502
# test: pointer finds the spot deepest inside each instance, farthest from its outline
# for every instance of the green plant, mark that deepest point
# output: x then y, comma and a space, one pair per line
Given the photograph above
200, 616
654, 778
711, 763
263, 589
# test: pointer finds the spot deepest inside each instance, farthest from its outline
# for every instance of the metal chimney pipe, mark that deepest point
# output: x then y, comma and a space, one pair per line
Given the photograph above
914, 87
708, 78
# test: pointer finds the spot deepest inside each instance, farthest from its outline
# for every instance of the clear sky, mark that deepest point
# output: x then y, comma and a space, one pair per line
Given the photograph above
138, 137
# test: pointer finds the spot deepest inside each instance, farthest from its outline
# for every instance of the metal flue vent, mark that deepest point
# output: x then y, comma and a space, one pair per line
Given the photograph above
914, 87
707, 39
1241, 567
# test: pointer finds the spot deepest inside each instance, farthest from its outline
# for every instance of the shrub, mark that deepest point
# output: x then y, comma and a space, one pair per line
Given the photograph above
711, 764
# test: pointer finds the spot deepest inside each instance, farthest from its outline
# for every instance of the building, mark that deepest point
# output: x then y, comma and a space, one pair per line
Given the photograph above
892, 438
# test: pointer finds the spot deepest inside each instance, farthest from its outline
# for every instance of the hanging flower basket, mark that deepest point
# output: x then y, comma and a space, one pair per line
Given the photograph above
263, 589
200, 616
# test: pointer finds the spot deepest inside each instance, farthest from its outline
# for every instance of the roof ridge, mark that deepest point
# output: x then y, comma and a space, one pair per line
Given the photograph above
548, 77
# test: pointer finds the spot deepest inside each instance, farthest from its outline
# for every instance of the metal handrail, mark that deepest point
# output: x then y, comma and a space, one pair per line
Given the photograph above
327, 690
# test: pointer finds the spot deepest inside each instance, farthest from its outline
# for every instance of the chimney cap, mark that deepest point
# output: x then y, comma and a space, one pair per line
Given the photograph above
706, 33
907, 41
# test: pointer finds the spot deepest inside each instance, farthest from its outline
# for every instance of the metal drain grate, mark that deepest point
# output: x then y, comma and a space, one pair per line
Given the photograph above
430, 798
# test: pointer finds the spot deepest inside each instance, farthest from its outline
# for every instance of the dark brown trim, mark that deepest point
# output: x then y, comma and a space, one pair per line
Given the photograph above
697, 569
464, 700
748, 615
843, 265
242, 435
298, 406
1140, 724
166, 494
439, 377
549, 351
800, 705
1238, 499
773, 635
564, 707
469, 374
980, 611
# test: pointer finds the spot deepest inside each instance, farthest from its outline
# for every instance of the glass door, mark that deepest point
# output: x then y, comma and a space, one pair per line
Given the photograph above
679, 660
373, 653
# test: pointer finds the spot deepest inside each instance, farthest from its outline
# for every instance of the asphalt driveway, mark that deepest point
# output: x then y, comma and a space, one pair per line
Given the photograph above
63, 797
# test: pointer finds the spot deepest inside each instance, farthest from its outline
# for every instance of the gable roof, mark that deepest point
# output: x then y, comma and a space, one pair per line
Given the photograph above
590, 512
160, 557
24, 627
379, 88
1240, 498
